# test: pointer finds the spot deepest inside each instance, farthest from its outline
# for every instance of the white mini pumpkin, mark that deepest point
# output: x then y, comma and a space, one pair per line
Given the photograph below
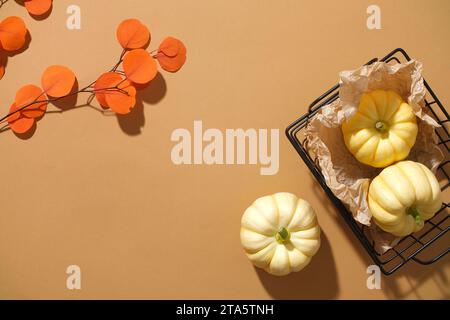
280, 233
382, 131
403, 196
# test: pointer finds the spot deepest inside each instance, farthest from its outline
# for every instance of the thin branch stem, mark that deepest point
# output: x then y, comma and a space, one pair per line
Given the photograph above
120, 60
2, 2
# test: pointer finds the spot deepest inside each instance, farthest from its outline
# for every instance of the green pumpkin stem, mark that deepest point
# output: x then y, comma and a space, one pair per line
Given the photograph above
283, 235
415, 213
381, 126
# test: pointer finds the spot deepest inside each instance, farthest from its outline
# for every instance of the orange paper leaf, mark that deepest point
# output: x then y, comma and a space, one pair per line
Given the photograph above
139, 66
17, 122
22, 125
38, 7
105, 81
171, 64
14, 116
12, 33
171, 47
112, 91
132, 34
27, 95
58, 81
171, 54
122, 101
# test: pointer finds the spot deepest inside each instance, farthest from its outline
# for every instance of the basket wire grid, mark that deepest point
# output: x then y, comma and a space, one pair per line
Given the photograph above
418, 246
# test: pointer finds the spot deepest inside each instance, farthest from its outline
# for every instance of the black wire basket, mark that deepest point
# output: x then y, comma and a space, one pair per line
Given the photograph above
424, 247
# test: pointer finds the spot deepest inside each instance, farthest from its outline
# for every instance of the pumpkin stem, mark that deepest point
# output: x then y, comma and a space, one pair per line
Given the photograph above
381, 126
415, 213
283, 235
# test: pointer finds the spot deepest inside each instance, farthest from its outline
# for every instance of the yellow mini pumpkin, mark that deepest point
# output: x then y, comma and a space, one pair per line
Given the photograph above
403, 196
383, 129
280, 233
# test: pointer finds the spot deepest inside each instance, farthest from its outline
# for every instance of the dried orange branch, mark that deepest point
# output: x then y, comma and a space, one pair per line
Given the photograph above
84, 90
115, 89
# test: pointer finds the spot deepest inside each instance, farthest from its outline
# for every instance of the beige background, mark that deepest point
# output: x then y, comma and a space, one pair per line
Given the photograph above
102, 192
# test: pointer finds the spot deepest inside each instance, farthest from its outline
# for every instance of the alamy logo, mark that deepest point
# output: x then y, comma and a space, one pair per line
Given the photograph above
374, 18
235, 146
74, 19
74, 279
374, 280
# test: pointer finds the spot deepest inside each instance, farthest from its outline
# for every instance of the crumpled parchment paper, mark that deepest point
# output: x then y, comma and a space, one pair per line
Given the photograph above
345, 176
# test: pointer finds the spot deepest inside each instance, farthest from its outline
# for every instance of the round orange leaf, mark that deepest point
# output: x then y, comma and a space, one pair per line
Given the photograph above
105, 81
171, 64
14, 116
17, 122
123, 100
171, 46
12, 33
27, 95
171, 54
132, 34
58, 81
139, 66
2, 71
38, 7
22, 125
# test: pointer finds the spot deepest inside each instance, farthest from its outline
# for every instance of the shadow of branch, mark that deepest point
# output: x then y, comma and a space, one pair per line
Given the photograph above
152, 93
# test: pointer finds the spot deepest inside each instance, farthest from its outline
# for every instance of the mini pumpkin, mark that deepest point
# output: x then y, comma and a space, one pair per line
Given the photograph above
280, 233
403, 196
382, 131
